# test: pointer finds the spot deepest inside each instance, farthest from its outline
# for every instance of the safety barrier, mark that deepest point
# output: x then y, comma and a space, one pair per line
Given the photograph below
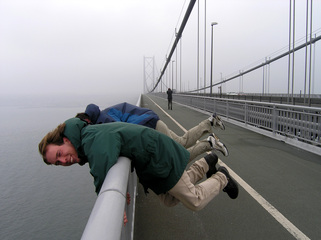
297, 125
106, 218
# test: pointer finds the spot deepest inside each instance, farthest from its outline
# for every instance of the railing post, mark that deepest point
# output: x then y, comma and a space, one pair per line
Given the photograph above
245, 113
274, 120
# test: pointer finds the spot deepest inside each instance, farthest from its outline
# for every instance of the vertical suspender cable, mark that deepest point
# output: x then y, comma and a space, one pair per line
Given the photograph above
289, 60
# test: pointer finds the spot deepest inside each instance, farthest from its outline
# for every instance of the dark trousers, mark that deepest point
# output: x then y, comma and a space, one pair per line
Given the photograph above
170, 104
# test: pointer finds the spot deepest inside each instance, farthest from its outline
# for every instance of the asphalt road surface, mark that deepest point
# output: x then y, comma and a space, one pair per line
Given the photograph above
280, 190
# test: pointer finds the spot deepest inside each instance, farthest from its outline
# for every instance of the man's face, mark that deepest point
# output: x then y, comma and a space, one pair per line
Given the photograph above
64, 154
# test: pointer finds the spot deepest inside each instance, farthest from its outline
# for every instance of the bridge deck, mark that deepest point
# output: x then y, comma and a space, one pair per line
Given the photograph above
286, 177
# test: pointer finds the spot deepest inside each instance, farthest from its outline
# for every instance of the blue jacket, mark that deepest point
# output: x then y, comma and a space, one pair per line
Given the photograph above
123, 112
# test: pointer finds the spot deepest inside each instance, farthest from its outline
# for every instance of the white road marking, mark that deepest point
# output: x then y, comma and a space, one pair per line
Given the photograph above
264, 203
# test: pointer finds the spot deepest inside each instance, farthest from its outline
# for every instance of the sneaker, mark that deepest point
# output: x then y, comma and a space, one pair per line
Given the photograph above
216, 121
217, 145
211, 160
231, 188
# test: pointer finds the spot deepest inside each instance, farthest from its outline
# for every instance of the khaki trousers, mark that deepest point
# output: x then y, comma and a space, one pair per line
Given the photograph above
192, 195
189, 139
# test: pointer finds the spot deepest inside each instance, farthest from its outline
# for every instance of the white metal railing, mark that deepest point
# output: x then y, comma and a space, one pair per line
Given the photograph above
298, 125
106, 218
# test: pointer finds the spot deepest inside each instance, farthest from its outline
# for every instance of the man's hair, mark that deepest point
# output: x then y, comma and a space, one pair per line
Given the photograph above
54, 137
84, 117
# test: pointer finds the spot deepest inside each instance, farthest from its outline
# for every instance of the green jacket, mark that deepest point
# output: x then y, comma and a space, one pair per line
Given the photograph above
159, 161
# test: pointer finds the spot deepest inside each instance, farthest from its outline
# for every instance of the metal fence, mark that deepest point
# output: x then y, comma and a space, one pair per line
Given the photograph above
298, 124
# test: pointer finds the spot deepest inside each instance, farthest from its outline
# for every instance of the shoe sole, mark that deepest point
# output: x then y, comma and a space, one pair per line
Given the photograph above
222, 126
233, 184
220, 149
219, 123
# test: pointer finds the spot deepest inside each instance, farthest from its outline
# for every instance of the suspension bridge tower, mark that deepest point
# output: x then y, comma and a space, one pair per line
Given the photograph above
149, 73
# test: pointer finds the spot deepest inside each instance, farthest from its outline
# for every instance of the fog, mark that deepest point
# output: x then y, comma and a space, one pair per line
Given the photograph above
98, 47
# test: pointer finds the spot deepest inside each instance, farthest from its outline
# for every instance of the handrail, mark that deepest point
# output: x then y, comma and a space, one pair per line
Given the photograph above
106, 218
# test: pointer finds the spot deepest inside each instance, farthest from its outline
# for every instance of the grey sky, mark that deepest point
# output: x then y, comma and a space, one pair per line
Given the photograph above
95, 46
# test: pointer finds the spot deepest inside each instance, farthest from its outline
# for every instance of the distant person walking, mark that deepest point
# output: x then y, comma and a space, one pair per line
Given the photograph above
170, 98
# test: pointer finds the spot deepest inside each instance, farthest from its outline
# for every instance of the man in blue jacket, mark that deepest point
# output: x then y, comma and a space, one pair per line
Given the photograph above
125, 112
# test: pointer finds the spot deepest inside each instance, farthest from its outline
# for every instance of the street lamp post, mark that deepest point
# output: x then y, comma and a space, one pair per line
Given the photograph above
173, 74
212, 24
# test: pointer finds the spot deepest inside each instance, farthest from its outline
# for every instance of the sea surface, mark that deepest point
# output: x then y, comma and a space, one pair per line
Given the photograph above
39, 201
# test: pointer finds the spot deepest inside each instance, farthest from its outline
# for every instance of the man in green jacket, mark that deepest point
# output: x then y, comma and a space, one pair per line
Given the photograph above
159, 161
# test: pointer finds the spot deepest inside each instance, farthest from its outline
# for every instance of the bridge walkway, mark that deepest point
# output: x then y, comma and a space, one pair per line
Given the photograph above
279, 197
